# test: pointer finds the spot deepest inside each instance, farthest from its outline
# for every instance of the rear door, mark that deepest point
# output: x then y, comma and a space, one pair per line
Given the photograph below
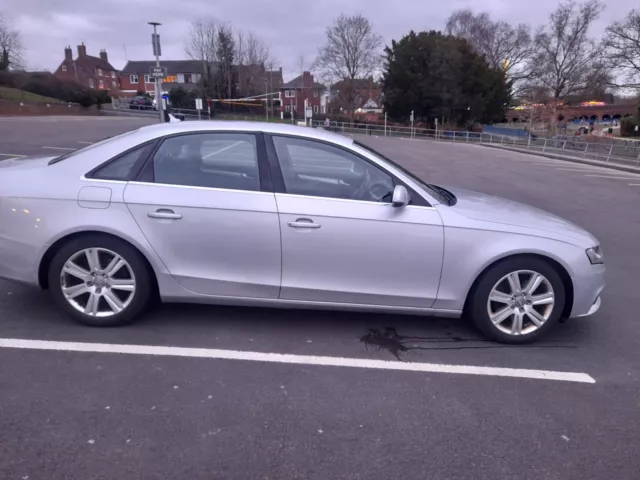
205, 204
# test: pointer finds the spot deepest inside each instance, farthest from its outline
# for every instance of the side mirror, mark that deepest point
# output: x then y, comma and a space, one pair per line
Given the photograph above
400, 197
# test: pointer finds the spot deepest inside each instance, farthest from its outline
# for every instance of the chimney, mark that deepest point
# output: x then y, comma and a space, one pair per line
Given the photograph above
103, 56
307, 79
68, 53
82, 50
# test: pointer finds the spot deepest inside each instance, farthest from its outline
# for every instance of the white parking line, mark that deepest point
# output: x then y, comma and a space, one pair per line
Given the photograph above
59, 148
585, 169
628, 177
87, 143
634, 184
10, 156
223, 149
293, 359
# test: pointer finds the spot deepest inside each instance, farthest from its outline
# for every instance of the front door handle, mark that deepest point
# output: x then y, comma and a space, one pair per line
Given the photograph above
164, 214
303, 223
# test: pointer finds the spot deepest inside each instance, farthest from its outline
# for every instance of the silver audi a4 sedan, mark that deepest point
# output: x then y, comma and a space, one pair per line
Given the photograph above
282, 216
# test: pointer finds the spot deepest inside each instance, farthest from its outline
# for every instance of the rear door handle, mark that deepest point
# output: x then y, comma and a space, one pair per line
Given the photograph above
303, 223
164, 214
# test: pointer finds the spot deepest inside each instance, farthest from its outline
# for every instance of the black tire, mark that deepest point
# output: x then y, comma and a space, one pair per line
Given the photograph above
144, 284
479, 296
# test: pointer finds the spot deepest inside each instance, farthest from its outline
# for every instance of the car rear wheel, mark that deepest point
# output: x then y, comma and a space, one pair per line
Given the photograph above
100, 281
517, 300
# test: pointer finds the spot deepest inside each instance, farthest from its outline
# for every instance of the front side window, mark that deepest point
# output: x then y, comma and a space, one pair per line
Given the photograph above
120, 168
212, 160
316, 169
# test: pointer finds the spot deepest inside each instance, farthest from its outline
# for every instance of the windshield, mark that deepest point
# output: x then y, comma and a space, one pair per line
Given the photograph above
89, 147
439, 193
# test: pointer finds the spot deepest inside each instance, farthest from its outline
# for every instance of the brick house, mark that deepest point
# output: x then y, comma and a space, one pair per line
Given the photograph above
363, 92
135, 76
294, 93
87, 70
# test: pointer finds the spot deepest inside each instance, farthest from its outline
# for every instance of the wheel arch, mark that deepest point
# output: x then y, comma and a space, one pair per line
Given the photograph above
555, 264
47, 258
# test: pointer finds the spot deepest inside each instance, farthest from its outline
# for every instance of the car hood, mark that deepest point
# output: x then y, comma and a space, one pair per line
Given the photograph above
487, 208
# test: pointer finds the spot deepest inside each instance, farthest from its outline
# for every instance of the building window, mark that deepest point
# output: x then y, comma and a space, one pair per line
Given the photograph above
100, 72
64, 68
147, 78
113, 74
315, 109
287, 108
133, 78
101, 84
115, 85
91, 85
315, 94
289, 93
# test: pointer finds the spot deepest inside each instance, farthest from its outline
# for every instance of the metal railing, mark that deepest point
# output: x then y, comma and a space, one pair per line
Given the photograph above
623, 152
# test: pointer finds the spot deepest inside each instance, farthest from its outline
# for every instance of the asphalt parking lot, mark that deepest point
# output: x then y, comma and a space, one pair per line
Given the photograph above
69, 414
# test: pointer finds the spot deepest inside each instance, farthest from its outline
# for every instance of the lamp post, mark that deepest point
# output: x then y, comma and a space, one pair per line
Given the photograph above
156, 51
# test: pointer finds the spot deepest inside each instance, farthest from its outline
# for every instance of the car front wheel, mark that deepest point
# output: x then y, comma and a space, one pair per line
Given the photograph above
517, 300
100, 281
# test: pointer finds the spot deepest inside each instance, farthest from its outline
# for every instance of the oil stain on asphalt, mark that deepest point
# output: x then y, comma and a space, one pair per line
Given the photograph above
390, 340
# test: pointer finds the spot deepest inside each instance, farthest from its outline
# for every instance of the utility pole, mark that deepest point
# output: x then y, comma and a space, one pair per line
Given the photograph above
155, 41
266, 99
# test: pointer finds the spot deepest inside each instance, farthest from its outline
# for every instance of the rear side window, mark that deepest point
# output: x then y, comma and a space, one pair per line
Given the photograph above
121, 167
212, 160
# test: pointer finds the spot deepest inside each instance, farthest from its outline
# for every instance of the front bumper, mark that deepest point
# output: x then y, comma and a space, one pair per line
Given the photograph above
594, 308
587, 290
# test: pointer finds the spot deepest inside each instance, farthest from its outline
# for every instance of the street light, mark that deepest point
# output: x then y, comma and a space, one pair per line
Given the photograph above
155, 41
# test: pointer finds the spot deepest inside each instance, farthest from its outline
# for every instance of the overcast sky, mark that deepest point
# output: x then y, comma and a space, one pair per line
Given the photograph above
290, 27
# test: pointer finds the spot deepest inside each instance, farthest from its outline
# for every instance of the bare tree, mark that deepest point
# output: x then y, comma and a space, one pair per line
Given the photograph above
351, 53
202, 45
622, 44
504, 47
252, 56
11, 47
569, 60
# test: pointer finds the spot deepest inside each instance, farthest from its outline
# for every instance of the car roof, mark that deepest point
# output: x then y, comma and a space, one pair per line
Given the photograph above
162, 129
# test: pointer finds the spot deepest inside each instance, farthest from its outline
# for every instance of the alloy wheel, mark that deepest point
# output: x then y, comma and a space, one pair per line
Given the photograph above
98, 282
520, 302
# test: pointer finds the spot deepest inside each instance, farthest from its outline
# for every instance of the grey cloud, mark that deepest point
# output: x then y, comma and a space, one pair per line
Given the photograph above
290, 27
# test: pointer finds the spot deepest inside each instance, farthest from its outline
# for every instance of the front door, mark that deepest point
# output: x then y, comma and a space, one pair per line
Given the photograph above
343, 241
201, 206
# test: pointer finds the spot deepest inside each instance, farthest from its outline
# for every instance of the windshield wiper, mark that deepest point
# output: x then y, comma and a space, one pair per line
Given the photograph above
449, 197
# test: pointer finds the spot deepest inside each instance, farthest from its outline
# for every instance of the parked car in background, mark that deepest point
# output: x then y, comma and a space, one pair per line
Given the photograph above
247, 213
141, 103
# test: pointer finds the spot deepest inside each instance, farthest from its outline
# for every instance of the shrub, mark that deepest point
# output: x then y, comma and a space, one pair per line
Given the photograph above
628, 127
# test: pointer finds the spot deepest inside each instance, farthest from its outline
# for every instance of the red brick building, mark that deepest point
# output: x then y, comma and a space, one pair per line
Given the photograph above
294, 93
135, 76
362, 92
87, 70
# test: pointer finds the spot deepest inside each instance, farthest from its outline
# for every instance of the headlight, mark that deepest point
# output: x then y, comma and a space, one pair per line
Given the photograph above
595, 255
